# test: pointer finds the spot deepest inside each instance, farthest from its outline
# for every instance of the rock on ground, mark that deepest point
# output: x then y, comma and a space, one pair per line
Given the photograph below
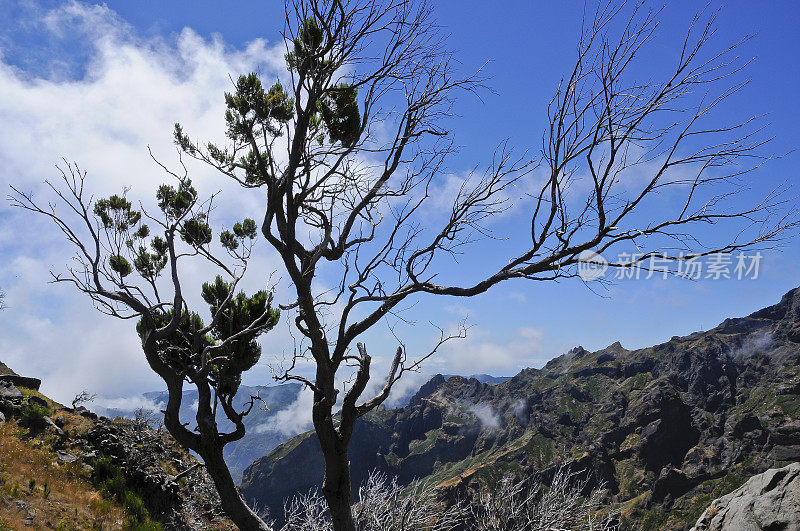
767, 501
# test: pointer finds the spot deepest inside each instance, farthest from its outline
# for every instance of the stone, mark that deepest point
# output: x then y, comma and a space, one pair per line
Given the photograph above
9, 390
65, 457
770, 500
88, 414
49, 422
10, 407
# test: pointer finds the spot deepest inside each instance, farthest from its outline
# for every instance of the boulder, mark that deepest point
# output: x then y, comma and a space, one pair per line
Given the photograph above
88, 414
10, 407
48, 421
9, 390
65, 457
766, 501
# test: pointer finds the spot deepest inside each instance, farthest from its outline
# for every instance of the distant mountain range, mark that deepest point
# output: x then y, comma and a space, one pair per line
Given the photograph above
666, 429
263, 431
482, 378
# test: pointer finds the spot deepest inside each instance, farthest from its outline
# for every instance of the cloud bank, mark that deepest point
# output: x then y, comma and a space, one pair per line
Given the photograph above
98, 94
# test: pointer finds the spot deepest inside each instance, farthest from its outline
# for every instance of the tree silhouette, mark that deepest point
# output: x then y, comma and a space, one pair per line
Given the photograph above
120, 266
348, 154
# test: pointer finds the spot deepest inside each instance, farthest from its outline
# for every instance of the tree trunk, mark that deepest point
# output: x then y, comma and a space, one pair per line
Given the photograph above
233, 505
336, 488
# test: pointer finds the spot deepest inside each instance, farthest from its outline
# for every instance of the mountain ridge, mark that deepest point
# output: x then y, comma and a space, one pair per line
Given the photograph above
666, 428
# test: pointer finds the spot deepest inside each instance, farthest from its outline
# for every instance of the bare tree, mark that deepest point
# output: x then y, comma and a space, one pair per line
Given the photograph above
144, 418
112, 243
350, 155
82, 398
383, 505
511, 506
3, 300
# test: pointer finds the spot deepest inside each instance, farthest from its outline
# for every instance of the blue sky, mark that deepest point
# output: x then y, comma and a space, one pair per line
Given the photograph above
98, 83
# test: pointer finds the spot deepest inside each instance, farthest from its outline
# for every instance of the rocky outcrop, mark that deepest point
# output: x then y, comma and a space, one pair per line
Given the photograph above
768, 501
151, 461
665, 428
175, 488
21, 381
9, 391
5, 369
10, 400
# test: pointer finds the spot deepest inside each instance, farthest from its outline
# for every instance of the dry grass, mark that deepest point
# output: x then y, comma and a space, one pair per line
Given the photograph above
59, 496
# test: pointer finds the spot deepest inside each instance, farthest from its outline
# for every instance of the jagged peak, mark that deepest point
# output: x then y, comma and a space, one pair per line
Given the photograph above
577, 352
616, 345
427, 389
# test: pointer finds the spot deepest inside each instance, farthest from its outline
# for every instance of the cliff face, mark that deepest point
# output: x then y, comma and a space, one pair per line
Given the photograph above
666, 428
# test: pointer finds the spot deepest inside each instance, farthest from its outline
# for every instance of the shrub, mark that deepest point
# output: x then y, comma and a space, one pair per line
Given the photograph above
134, 507
508, 506
113, 485
32, 415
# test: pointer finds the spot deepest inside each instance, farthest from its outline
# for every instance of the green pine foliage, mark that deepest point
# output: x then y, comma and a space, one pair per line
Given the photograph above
189, 348
240, 313
254, 113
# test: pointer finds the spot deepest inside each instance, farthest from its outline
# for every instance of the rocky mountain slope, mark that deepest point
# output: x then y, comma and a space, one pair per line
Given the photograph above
667, 429
70, 469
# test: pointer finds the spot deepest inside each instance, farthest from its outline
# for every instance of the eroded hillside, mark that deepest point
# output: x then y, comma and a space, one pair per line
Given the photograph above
666, 428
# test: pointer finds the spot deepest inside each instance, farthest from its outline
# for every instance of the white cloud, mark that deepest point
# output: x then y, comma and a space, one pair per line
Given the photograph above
294, 419
486, 415
482, 352
128, 94
754, 344
129, 405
